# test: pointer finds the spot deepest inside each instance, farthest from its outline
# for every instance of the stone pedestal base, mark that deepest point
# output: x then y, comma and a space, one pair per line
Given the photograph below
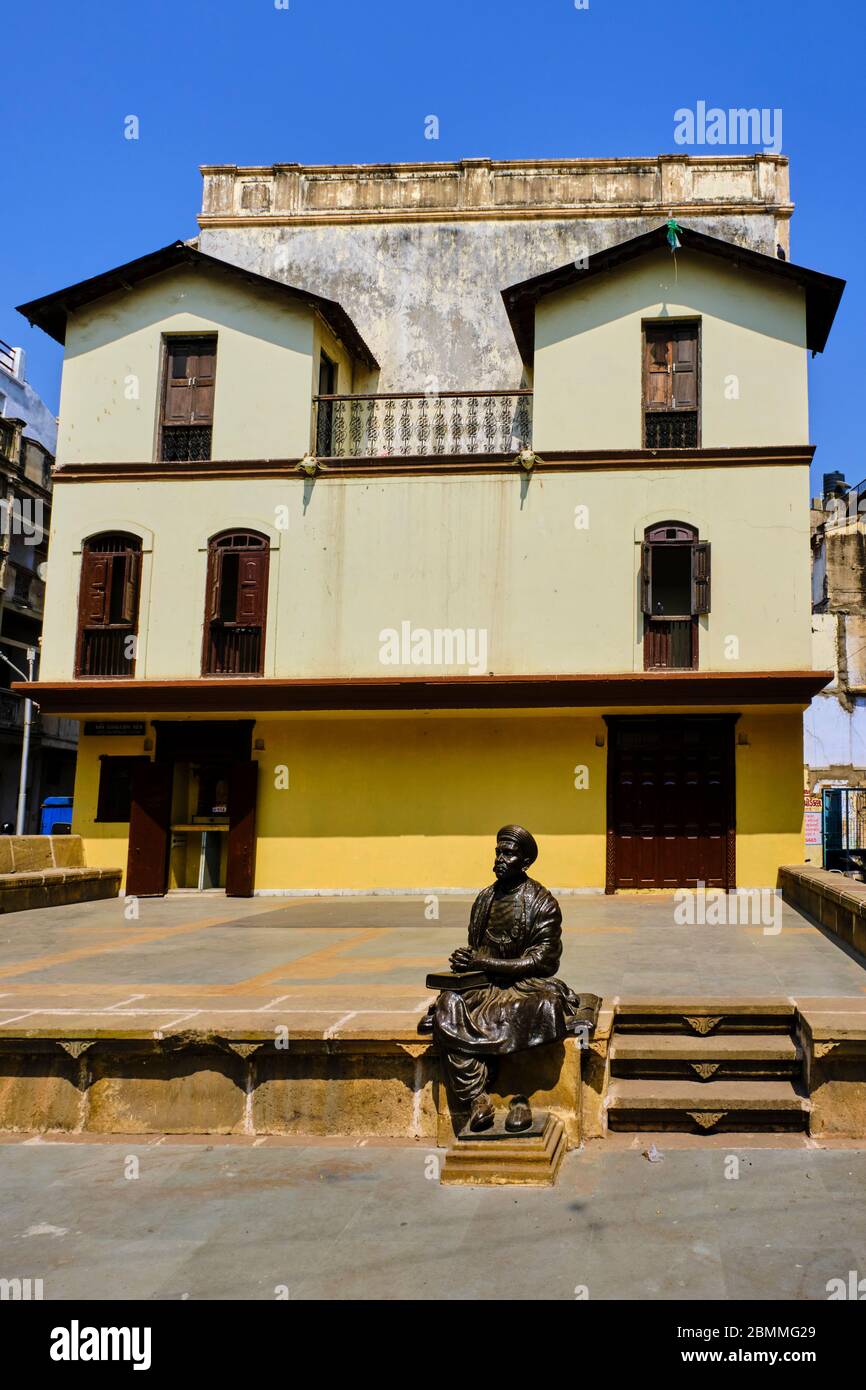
497, 1158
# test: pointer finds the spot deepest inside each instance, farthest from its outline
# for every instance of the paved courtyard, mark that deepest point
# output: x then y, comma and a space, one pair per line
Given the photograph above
156, 1219
362, 962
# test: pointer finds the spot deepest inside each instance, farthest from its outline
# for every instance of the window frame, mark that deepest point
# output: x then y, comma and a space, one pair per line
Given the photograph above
672, 324
654, 635
218, 546
132, 550
166, 342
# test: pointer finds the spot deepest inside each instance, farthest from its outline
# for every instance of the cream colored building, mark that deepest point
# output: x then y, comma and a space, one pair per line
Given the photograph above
325, 635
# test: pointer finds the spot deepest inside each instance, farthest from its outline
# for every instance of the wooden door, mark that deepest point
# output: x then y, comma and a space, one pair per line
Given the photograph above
671, 803
149, 829
240, 868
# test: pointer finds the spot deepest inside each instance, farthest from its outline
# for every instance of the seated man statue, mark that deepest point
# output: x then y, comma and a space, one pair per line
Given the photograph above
515, 939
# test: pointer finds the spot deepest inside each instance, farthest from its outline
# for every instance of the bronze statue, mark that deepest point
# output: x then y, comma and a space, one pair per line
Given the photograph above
504, 996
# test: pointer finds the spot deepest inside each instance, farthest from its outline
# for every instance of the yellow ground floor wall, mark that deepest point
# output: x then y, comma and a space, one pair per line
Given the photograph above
414, 800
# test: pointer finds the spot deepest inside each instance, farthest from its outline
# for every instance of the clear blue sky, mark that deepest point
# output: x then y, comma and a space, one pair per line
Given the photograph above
335, 81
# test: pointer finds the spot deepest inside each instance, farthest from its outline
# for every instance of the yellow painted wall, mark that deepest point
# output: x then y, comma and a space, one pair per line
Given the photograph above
499, 555
109, 400
414, 801
588, 350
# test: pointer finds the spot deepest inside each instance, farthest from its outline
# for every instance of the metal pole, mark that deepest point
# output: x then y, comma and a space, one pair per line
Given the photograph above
21, 816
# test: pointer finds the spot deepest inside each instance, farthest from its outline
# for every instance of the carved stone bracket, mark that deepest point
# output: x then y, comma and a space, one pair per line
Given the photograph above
415, 1050
703, 1025
75, 1046
705, 1069
823, 1049
244, 1049
706, 1119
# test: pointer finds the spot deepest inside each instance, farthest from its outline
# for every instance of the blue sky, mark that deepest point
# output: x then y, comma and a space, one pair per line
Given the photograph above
336, 81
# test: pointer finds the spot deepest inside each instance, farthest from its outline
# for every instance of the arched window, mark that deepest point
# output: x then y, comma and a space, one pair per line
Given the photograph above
675, 591
108, 605
237, 599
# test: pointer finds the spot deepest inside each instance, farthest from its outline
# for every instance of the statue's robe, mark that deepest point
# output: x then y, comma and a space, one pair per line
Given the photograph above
514, 1012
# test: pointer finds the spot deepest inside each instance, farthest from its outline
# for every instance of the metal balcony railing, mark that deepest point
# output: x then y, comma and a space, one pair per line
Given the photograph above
417, 424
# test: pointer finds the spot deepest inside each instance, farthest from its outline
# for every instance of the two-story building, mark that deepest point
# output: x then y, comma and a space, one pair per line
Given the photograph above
329, 623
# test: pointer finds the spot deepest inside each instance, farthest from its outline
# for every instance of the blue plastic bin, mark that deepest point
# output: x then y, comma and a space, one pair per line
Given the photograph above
56, 816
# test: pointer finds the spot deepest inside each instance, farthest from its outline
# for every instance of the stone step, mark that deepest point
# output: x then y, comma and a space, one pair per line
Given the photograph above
528, 1161
720, 1055
701, 1018
701, 1106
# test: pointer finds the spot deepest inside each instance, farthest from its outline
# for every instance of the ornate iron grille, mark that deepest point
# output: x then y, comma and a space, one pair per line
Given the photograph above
671, 429
411, 424
183, 443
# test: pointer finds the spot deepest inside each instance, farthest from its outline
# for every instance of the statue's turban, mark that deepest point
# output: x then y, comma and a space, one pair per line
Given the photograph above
525, 842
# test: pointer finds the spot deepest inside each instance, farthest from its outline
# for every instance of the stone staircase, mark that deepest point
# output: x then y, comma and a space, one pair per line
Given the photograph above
709, 1067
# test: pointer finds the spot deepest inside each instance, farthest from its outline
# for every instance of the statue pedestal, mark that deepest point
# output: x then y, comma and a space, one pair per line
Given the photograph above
497, 1158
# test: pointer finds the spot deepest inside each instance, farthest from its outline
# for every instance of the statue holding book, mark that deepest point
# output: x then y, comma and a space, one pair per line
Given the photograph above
503, 995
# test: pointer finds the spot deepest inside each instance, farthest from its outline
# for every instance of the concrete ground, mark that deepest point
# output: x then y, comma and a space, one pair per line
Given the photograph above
261, 1220
331, 962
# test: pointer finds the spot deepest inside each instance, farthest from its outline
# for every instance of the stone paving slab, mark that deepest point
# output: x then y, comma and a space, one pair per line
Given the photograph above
235, 1220
212, 961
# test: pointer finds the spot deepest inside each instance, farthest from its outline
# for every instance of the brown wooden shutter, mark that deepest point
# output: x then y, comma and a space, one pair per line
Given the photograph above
129, 609
95, 584
684, 368
240, 866
701, 577
646, 578
657, 369
252, 587
203, 391
149, 820
190, 367
214, 580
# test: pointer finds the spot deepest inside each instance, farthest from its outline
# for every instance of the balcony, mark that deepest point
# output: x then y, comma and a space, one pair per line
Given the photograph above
415, 424
22, 586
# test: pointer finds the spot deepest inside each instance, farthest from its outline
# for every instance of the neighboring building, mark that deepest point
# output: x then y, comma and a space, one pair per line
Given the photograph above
27, 443
835, 723
330, 627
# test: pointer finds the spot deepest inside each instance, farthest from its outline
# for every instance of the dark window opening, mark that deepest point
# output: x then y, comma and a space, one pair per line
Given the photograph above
675, 592
325, 414
114, 798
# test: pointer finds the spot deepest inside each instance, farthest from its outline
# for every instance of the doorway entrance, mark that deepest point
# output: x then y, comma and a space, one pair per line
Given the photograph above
193, 816
671, 819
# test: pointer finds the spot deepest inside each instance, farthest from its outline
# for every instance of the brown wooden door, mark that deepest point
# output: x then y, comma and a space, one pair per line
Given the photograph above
671, 803
240, 869
149, 829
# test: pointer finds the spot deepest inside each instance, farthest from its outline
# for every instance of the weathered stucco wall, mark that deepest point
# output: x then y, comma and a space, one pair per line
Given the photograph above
418, 254
546, 569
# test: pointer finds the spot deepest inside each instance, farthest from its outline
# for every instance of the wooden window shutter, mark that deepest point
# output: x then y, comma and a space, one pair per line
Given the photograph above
658, 351
190, 366
129, 610
684, 368
214, 581
203, 391
252, 587
646, 578
700, 577
94, 594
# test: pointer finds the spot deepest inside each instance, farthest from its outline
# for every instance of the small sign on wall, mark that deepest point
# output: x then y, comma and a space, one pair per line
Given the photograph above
128, 727
812, 818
